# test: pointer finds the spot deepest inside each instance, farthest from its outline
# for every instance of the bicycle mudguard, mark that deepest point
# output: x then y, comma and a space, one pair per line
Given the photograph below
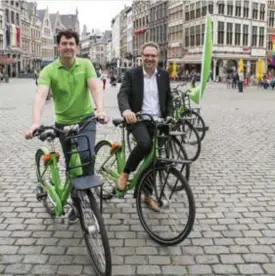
43, 149
102, 141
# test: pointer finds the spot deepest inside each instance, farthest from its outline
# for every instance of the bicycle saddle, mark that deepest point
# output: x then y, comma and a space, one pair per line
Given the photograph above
118, 121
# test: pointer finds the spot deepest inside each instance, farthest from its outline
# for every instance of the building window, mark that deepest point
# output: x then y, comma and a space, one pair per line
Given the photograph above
198, 9
230, 8
187, 37
261, 37
229, 33
221, 8
254, 36
17, 19
198, 35
202, 33
192, 36
255, 11
238, 9
1, 41
269, 42
187, 13
271, 18
221, 33
262, 12
246, 9
7, 15
237, 34
12, 17
210, 7
245, 35
192, 11
204, 8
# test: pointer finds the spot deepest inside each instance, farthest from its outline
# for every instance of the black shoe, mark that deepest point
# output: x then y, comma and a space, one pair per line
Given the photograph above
73, 217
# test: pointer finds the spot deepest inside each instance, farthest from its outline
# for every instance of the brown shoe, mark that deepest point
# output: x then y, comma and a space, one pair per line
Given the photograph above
151, 203
122, 181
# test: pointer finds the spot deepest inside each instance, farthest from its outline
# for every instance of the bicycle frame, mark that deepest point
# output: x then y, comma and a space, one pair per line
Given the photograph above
120, 155
59, 192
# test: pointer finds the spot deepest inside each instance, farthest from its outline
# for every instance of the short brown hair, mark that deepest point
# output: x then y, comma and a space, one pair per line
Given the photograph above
68, 34
149, 44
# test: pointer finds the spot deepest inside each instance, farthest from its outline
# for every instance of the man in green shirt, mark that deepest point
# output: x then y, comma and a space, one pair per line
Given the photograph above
70, 79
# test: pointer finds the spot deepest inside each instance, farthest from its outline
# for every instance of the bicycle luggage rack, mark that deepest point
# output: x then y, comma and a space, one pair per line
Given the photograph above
84, 181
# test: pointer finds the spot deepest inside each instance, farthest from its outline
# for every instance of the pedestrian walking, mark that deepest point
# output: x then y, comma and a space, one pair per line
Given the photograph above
104, 80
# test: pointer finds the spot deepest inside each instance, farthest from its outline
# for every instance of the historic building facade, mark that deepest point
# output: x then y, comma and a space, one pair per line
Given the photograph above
57, 26
239, 31
175, 31
141, 11
26, 62
12, 20
158, 20
47, 38
36, 53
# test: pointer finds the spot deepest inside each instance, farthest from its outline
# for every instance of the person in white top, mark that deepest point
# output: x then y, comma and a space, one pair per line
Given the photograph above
144, 89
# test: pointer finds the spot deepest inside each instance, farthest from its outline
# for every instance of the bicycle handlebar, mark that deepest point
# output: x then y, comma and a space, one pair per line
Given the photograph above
67, 129
153, 119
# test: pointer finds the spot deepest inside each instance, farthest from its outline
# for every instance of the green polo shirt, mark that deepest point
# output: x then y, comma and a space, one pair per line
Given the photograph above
71, 95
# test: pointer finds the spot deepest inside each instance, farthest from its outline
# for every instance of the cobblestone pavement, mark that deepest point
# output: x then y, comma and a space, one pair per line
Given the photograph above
233, 184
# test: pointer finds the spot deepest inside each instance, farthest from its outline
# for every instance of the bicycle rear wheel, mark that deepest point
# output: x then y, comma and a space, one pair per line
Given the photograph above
160, 225
93, 227
197, 121
191, 141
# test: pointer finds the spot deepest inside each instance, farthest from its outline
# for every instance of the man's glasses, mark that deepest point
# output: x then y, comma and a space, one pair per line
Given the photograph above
148, 55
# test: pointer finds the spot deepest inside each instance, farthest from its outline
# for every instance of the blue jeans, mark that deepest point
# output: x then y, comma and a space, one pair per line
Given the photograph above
90, 132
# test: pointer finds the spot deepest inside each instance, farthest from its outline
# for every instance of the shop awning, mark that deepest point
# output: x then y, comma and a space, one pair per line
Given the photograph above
6, 60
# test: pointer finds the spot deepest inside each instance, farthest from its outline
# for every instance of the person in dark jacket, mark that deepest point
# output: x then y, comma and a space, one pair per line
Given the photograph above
144, 89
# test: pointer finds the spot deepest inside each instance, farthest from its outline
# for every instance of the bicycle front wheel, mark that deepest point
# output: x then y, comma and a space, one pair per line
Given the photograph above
172, 222
104, 158
94, 232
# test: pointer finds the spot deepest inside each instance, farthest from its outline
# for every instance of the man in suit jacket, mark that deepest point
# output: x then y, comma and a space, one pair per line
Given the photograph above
144, 89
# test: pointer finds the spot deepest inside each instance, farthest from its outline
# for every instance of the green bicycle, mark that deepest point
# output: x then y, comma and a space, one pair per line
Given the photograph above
162, 223
55, 194
183, 109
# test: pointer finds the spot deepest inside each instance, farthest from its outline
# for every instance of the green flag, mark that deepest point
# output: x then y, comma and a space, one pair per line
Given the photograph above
197, 92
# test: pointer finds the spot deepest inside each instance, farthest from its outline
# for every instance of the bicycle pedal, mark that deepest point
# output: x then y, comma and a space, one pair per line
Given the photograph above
41, 196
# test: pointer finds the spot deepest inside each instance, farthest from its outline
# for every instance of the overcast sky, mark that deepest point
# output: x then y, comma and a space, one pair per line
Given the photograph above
95, 14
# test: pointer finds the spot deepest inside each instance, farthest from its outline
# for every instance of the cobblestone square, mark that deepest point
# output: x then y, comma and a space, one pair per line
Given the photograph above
232, 181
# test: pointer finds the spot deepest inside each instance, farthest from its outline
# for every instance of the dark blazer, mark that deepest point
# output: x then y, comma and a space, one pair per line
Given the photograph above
130, 95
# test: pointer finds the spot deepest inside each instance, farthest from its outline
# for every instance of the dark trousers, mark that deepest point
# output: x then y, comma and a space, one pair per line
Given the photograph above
104, 84
143, 133
90, 132
240, 84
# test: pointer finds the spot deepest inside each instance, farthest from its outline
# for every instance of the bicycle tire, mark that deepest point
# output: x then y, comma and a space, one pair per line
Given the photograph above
192, 209
197, 142
103, 233
100, 145
201, 130
39, 154
186, 166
